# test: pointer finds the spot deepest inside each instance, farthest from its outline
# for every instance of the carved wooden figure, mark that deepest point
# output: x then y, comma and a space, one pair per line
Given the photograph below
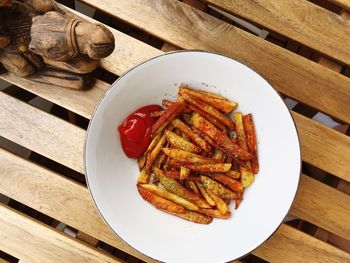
41, 42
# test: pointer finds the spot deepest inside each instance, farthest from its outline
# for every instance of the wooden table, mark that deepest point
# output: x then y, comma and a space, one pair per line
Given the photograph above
306, 55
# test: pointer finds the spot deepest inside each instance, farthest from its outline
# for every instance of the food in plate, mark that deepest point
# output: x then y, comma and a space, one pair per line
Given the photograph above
195, 155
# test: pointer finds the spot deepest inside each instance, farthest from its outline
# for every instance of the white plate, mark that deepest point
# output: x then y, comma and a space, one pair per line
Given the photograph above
111, 176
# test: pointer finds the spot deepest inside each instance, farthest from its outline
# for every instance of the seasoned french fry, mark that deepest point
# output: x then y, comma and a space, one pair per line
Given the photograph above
230, 183
154, 142
247, 177
251, 141
169, 196
220, 103
206, 115
219, 155
184, 173
194, 217
205, 194
221, 138
178, 142
188, 157
233, 174
159, 202
220, 204
191, 185
204, 168
167, 103
212, 143
192, 135
160, 160
209, 109
143, 177
152, 155
214, 213
167, 116
218, 188
170, 174
238, 202
176, 188
141, 161
155, 114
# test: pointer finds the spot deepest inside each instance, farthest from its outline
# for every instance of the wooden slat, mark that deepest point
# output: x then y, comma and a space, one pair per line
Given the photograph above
32, 241
322, 205
70, 202
342, 3
55, 196
41, 132
291, 245
300, 20
189, 28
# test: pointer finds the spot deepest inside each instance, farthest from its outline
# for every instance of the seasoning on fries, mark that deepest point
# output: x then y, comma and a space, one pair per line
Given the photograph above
200, 158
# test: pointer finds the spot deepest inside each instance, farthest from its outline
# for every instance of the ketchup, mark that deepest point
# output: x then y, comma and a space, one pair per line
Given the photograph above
135, 131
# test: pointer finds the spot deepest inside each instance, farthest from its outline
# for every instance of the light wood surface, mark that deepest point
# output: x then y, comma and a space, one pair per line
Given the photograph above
189, 28
41, 132
70, 202
32, 241
290, 245
300, 20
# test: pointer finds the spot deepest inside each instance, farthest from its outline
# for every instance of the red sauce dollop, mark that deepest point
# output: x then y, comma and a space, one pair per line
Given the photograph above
135, 131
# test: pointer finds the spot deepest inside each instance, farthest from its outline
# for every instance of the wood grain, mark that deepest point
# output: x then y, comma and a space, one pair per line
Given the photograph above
42, 132
290, 245
189, 28
70, 202
32, 241
56, 196
329, 207
299, 20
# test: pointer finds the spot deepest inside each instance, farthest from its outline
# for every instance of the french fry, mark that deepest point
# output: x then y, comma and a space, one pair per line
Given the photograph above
220, 103
230, 183
141, 161
184, 173
160, 160
191, 185
170, 174
206, 115
192, 135
152, 155
169, 196
203, 168
220, 204
167, 103
251, 141
194, 217
221, 138
238, 202
156, 114
167, 116
205, 194
214, 213
208, 109
212, 143
176, 188
247, 177
154, 142
218, 189
219, 155
233, 174
187, 157
159, 202
180, 143
143, 177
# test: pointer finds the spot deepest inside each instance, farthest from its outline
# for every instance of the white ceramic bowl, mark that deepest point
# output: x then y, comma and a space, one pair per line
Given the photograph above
111, 176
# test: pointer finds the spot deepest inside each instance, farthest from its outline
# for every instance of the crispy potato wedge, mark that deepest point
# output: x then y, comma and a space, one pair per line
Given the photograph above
176, 188
192, 135
251, 141
152, 155
184, 173
221, 138
169, 196
218, 189
247, 177
156, 114
143, 177
160, 202
194, 217
220, 103
206, 115
214, 213
230, 183
167, 116
187, 157
180, 143
141, 161
191, 185
204, 168
233, 174
209, 109
205, 194
220, 204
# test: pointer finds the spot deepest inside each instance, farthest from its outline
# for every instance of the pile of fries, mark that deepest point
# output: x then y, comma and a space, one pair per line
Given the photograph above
199, 159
